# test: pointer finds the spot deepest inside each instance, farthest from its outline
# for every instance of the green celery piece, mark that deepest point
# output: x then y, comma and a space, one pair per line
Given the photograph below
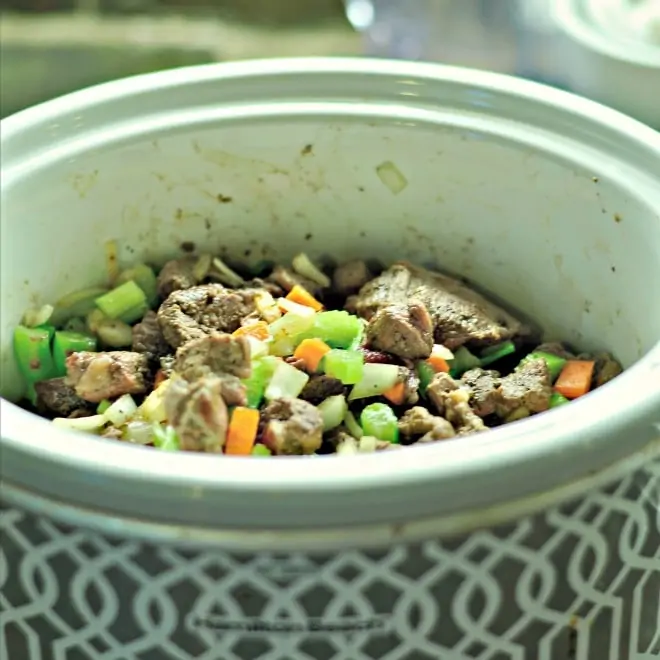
554, 362
76, 304
166, 438
103, 406
134, 314
497, 352
378, 420
261, 450
256, 383
557, 400
463, 361
337, 328
425, 373
33, 353
346, 366
66, 343
123, 299
145, 278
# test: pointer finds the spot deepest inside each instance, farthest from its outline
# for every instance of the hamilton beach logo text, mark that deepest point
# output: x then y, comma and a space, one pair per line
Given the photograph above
256, 625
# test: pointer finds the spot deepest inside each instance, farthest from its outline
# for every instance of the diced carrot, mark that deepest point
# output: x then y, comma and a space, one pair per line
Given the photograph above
438, 363
242, 431
291, 307
396, 394
575, 378
259, 330
301, 296
159, 378
311, 352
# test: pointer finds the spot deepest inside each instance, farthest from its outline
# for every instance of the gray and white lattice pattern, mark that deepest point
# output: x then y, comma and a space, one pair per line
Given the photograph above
578, 582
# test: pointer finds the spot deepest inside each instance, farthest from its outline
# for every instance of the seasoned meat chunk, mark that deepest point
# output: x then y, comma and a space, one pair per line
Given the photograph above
418, 424
274, 289
55, 397
167, 365
292, 426
198, 413
409, 378
319, 387
176, 275
217, 353
459, 314
605, 369
148, 337
526, 390
287, 279
483, 385
202, 310
98, 376
404, 330
351, 276
452, 401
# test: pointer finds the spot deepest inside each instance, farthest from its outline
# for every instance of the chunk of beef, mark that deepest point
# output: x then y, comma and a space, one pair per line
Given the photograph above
298, 363
351, 276
459, 314
167, 365
292, 426
217, 353
452, 402
377, 357
605, 370
528, 389
202, 310
56, 398
198, 413
287, 279
418, 424
483, 385
148, 337
98, 376
274, 289
405, 330
319, 387
176, 275
409, 378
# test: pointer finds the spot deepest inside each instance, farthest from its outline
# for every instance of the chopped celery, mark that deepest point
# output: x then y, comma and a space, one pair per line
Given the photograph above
255, 384
352, 425
554, 362
425, 373
67, 343
33, 354
86, 424
225, 274
359, 337
346, 366
125, 299
378, 420
333, 411
121, 410
145, 278
261, 450
165, 438
134, 313
557, 399
338, 329
103, 406
463, 361
287, 382
497, 352
303, 265
291, 326
78, 303
376, 379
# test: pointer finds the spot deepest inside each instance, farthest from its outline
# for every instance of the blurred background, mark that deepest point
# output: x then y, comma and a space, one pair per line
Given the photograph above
49, 47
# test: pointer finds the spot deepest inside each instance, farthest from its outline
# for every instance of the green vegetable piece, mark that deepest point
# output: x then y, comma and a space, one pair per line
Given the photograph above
145, 278
338, 329
66, 343
261, 450
33, 354
333, 410
76, 304
463, 361
346, 366
127, 298
352, 425
50, 329
255, 385
134, 314
359, 338
497, 352
425, 373
166, 438
557, 400
554, 362
103, 406
378, 420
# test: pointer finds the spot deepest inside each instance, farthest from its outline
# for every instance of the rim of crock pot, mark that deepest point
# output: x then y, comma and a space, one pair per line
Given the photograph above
471, 473
570, 18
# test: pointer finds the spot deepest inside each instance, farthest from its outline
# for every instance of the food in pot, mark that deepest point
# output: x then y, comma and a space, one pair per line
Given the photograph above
202, 357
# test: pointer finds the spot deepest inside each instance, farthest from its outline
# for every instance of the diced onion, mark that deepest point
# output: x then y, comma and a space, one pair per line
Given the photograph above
34, 317
292, 307
267, 307
121, 410
376, 379
115, 333
225, 274
202, 266
139, 432
303, 266
94, 320
153, 407
441, 351
368, 443
347, 446
333, 409
287, 382
258, 348
392, 177
86, 424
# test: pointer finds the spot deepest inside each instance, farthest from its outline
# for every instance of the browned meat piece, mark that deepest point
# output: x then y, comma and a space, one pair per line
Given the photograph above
148, 337
376, 357
55, 397
411, 382
176, 275
418, 424
292, 426
274, 289
202, 310
526, 390
459, 314
298, 363
451, 400
286, 279
198, 413
217, 353
233, 390
167, 365
555, 348
98, 376
484, 395
351, 276
319, 387
405, 330
606, 368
